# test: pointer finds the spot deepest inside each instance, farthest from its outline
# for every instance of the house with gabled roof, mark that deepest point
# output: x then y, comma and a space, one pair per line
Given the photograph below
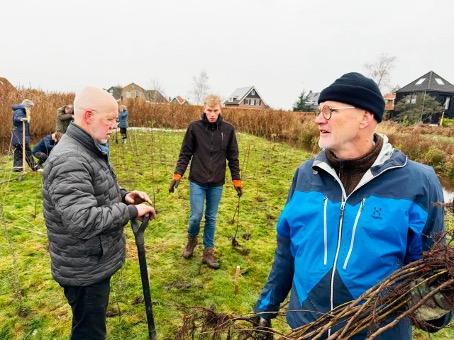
155, 96
179, 100
134, 91
435, 86
246, 98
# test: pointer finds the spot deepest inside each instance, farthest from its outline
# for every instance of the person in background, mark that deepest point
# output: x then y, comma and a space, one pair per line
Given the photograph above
85, 211
123, 123
354, 214
44, 147
65, 116
208, 144
21, 125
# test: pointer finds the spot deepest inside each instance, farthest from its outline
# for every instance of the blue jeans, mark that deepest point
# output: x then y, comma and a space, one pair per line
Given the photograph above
198, 194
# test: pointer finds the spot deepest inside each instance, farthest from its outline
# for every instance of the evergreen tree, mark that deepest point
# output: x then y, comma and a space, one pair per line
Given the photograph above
302, 105
418, 108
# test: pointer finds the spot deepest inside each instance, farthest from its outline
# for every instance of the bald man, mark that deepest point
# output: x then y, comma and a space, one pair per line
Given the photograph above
86, 210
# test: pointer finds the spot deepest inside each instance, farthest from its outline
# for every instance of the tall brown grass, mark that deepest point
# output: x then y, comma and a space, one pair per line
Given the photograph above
43, 114
296, 127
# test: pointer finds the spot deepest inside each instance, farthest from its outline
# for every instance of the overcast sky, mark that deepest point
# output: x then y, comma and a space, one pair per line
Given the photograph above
281, 47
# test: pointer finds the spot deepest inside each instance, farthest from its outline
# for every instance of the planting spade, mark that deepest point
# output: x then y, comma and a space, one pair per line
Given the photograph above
138, 231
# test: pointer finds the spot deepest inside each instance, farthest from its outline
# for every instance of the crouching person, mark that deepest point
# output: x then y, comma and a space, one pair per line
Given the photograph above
44, 147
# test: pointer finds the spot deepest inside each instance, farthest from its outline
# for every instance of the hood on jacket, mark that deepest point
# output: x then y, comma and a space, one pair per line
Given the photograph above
18, 106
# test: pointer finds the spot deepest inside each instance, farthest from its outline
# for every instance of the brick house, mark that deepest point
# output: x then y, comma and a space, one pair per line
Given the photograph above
246, 98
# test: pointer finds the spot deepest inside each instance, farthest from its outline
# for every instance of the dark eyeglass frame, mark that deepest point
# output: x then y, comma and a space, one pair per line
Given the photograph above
327, 111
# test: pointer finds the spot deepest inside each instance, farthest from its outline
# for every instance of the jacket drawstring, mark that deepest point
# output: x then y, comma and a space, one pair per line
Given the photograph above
325, 231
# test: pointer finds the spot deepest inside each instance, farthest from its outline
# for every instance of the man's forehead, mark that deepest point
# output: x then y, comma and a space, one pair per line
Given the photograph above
213, 108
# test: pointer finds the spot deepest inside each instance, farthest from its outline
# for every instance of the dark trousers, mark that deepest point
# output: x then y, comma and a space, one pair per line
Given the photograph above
89, 307
18, 157
42, 157
124, 133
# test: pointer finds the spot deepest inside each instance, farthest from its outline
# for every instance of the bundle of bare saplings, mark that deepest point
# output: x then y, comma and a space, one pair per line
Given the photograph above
373, 310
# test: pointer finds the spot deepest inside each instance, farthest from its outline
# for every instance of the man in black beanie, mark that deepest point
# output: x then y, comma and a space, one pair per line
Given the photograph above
355, 213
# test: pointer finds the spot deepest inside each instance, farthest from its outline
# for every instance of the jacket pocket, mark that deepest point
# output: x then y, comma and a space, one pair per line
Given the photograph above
93, 247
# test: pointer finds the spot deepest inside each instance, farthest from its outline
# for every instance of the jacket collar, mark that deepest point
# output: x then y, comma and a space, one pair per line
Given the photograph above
217, 123
388, 158
76, 132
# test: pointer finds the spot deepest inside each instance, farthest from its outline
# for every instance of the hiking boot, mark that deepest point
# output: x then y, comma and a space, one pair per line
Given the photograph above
189, 250
208, 258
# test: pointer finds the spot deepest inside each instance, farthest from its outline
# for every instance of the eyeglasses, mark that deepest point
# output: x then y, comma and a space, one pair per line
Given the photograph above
327, 111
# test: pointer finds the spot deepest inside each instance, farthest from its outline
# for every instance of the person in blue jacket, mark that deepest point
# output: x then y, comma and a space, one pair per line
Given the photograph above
123, 123
44, 147
21, 126
354, 214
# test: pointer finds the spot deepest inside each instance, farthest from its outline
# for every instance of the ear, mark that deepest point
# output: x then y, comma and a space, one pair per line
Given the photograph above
87, 116
367, 119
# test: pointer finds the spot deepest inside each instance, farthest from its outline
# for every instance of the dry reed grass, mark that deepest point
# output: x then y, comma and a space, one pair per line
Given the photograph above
43, 114
279, 125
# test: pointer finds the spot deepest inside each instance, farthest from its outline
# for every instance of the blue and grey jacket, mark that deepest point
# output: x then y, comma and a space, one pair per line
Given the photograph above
331, 247
18, 114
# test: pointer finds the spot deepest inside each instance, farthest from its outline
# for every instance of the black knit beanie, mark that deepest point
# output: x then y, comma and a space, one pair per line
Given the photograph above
355, 89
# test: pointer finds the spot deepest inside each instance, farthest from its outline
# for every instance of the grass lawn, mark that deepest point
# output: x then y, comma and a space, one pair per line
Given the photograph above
32, 303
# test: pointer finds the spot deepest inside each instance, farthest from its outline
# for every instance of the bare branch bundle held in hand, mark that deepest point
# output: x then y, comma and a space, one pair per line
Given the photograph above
386, 300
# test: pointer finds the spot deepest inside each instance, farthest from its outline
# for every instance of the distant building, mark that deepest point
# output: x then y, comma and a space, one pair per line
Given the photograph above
312, 99
134, 91
179, 100
246, 98
389, 101
433, 85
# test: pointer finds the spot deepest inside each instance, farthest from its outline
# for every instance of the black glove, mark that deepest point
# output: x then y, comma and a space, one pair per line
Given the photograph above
263, 328
174, 184
434, 307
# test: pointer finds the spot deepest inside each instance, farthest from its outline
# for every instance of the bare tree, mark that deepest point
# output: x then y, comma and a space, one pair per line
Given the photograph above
380, 71
155, 84
201, 87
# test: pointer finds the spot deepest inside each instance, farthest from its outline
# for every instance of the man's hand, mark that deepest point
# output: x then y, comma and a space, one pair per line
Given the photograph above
174, 182
137, 197
238, 186
143, 209
434, 307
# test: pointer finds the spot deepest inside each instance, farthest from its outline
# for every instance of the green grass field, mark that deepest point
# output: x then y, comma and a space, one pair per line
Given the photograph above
32, 303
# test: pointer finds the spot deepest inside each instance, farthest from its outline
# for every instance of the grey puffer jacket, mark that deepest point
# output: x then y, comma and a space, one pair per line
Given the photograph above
84, 211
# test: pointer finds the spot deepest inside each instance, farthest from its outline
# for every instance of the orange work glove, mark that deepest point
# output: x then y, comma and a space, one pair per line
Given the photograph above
174, 182
238, 186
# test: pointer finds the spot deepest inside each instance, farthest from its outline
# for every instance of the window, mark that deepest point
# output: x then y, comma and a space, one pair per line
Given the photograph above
128, 94
246, 102
420, 81
413, 98
258, 102
137, 94
439, 81
253, 92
